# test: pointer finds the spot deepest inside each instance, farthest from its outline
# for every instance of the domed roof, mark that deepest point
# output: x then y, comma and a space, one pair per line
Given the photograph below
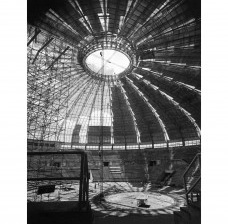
116, 73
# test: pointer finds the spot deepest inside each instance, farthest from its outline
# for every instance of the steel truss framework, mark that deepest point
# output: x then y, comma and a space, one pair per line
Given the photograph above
155, 103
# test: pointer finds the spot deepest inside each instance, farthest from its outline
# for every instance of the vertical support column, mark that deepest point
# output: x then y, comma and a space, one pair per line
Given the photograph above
110, 81
105, 19
84, 178
81, 182
87, 178
101, 125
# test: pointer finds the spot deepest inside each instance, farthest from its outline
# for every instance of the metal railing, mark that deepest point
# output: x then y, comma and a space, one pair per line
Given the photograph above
192, 180
79, 173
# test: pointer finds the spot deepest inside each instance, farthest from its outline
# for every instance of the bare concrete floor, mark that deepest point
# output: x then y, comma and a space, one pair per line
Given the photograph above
130, 200
120, 205
134, 219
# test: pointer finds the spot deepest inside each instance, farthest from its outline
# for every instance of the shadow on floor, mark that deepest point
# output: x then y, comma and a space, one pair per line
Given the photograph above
124, 218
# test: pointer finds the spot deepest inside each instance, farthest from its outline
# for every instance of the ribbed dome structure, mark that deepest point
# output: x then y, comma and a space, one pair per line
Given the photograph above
153, 101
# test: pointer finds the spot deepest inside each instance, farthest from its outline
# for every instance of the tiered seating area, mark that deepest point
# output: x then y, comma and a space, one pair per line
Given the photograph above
142, 165
115, 169
147, 165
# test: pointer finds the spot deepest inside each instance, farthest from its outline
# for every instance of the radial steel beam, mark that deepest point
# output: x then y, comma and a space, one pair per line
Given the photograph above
131, 112
91, 108
166, 136
58, 57
41, 49
90, 92
37, 31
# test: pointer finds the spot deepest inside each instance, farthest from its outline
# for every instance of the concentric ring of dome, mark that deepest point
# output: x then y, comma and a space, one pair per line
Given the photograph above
107, 62
118, 53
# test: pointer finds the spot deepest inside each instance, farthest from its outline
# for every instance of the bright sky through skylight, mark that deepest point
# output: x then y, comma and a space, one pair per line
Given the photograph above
115, 62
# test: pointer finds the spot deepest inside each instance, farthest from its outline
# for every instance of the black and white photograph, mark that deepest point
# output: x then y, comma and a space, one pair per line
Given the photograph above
112, 113
114, 109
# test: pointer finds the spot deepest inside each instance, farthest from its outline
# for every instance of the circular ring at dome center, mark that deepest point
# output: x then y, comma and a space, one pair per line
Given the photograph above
107, 62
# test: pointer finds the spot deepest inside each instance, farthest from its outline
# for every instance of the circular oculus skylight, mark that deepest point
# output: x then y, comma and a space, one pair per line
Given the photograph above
107, 62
